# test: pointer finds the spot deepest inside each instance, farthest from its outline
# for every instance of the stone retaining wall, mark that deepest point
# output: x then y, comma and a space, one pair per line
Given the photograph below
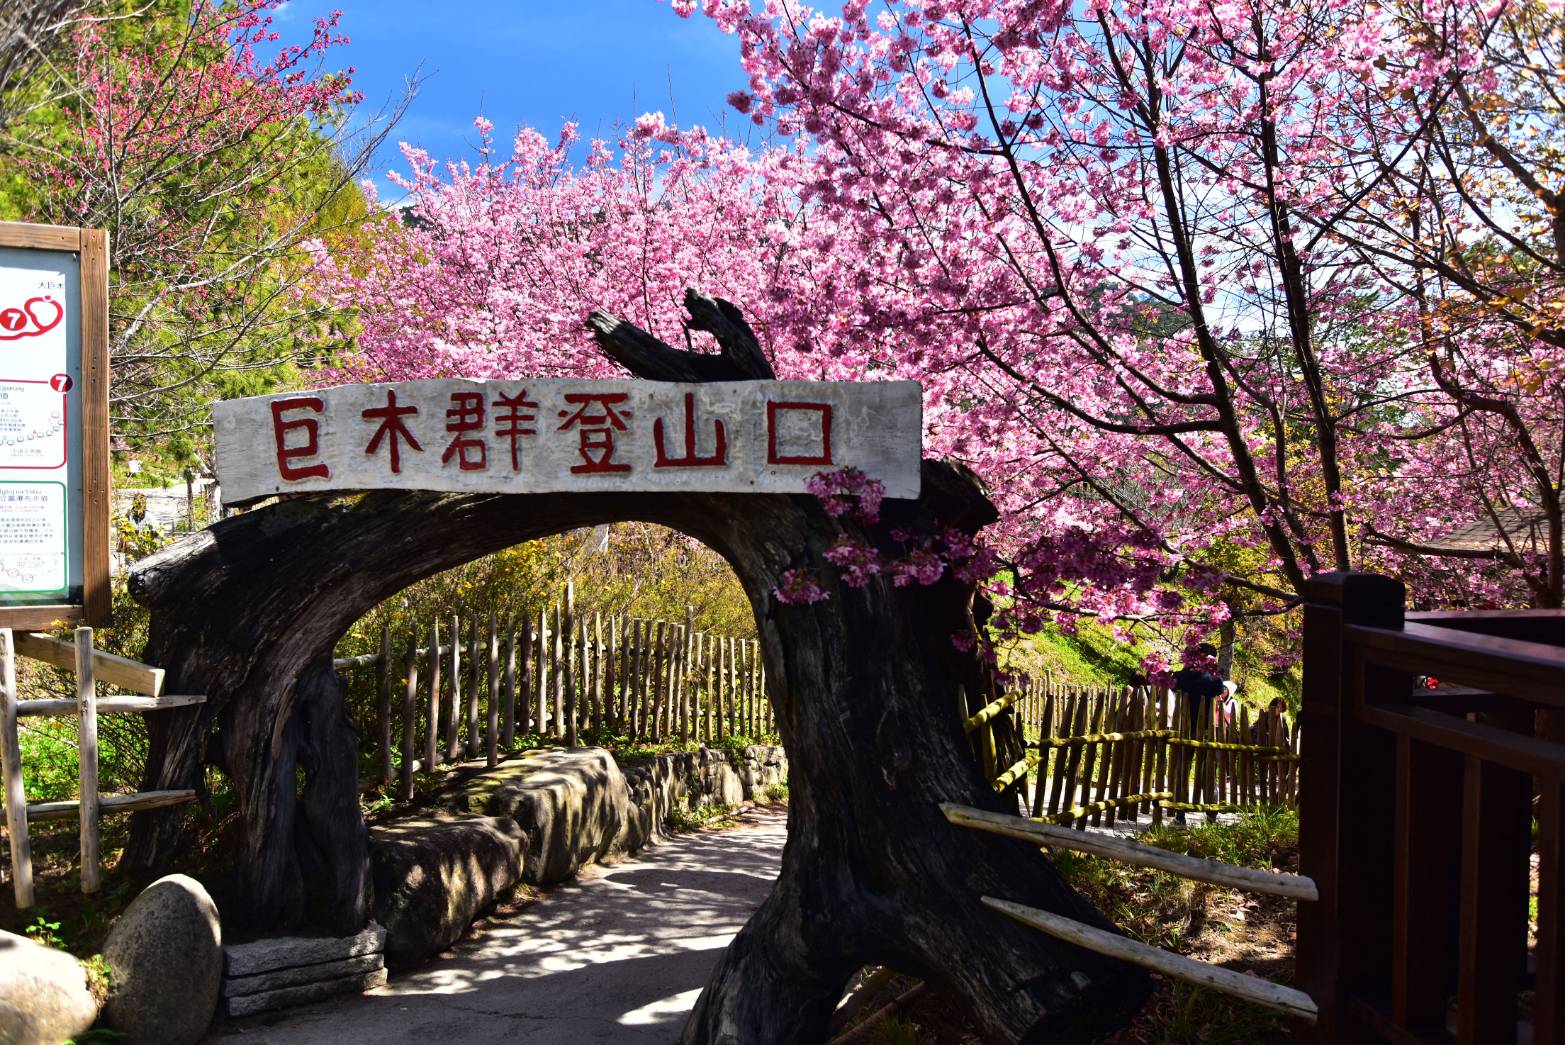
537, 819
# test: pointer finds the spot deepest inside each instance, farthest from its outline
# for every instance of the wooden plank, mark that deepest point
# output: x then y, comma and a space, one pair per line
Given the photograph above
59, 708
1496, 821
97, 599
132, 803
1549, 996
11, 770
383, 703
524, 678
1112, 847
41, 237
492, 736
87, 760
454, 715
1529, 670
119, 672
1215, 977
1045, 734
1425, 895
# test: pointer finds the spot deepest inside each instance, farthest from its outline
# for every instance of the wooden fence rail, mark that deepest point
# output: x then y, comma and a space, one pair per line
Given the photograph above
475, 686
1098, 755
91, 667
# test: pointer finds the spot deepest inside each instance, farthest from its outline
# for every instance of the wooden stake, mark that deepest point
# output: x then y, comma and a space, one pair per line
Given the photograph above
87, 759
492, 738
409, 720
383, 714
432, 727
508, 738
453, 742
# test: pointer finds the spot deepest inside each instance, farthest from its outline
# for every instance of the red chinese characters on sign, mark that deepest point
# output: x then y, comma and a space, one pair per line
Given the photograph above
692, 459
595, 430
514, 418
795, 423
391, 428
311, 447
465, 417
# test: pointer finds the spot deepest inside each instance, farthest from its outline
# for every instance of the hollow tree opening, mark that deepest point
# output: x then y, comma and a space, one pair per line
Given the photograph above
866, 686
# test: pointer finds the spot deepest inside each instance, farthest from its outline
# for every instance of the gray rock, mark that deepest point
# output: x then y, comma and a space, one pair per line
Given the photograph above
432, 877
287, 997
276, 979
43, 994
283, 952
571, 804
165, 958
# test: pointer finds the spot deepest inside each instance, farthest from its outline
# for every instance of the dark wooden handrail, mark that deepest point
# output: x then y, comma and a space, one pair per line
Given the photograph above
1416, 818
1520, 669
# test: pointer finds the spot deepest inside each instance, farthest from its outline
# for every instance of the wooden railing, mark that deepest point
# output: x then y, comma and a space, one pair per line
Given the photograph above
1416, 819
556, 675
91, 666
1102, 755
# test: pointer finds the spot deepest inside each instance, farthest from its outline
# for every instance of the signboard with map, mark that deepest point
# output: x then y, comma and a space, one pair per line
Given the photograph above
54, 453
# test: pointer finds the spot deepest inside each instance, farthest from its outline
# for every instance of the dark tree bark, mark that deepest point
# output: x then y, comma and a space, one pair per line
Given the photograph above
866, 687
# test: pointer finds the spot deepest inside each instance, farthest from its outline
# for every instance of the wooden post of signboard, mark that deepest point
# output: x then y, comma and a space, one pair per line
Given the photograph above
11, 769
87, 758
72, 263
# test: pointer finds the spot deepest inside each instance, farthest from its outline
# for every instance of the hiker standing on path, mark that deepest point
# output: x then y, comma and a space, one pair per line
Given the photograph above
1201, 683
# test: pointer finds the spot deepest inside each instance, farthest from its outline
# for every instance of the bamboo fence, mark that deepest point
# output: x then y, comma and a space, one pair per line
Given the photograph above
1097, 755
474, 686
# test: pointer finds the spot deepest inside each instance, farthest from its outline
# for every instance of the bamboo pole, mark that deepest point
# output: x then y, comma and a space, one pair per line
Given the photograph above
87, 760
409, 720
432, 730
475, 687
558, 725
1112, 847
383, 702
524, 678
11, 769
1240, 985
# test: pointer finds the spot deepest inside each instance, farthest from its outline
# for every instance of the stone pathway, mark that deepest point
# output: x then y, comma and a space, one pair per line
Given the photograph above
619, 955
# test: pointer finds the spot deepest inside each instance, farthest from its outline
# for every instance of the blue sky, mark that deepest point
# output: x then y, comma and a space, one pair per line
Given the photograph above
534, 62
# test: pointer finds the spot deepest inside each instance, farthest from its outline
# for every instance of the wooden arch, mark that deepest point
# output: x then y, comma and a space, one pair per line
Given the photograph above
866, 686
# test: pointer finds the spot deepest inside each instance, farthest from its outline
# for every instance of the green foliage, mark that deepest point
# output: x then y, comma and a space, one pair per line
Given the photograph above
45, 932
894, 1030
682, 819
1187, 917
776, 792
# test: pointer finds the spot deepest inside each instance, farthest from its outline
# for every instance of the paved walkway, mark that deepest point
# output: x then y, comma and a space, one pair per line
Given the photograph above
618, 955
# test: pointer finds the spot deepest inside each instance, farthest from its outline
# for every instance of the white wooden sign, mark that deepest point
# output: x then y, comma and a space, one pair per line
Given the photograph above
541, 436
53, 425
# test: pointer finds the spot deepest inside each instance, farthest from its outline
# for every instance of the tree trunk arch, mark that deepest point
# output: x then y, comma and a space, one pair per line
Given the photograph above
866, 686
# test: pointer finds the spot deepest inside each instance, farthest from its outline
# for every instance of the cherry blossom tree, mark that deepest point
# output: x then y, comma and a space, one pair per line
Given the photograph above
1212, 297
211, 149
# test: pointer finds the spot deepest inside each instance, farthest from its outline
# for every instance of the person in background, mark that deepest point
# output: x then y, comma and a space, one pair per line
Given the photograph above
1276, 711
1202, 684
1226, 709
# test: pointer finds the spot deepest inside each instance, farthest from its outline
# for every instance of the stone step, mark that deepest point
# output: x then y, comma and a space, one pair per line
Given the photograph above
276, 979
285, 952
303, 994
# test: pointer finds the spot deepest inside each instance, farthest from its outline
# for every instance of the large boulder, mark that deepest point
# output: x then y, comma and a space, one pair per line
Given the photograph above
44, 998
165, 958
572, 805
433, 876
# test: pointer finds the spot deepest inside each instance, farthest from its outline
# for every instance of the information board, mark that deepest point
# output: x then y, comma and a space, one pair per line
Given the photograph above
558, 435
54, 493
